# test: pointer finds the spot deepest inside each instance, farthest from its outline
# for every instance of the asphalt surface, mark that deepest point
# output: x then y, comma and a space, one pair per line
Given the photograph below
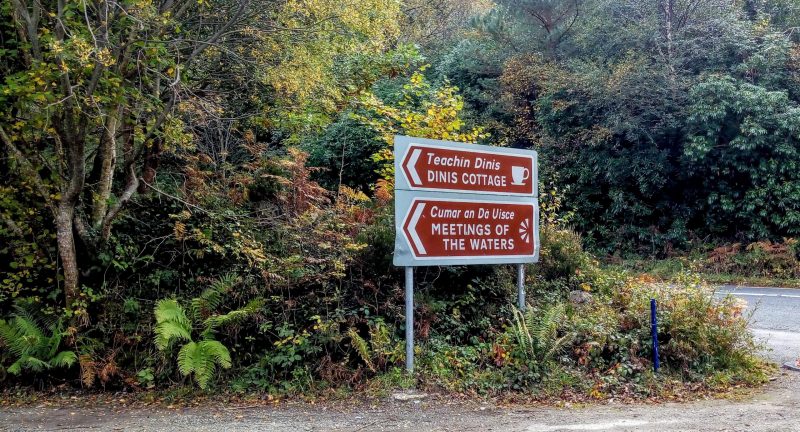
775, 318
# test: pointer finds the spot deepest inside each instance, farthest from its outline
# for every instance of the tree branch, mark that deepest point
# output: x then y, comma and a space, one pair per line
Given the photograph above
127, 193
234, 19
31, 21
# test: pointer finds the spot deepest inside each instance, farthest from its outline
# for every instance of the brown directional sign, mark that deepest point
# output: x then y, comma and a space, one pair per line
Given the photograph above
440, 228
459, 203
450, 169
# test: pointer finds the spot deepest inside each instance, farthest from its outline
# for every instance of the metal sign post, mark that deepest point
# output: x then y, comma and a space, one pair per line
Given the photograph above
410, 319
521, 287
463, 204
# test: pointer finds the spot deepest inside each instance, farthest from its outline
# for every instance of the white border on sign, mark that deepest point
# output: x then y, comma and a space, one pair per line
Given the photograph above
440, 147
461, 257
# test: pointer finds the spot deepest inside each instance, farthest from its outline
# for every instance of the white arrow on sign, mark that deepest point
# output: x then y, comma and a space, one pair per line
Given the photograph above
412, 166
412, 229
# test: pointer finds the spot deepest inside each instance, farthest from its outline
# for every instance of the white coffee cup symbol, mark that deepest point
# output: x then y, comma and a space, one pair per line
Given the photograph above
519, 175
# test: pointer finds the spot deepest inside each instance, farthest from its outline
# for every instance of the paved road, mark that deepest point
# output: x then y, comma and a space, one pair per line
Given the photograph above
775, 319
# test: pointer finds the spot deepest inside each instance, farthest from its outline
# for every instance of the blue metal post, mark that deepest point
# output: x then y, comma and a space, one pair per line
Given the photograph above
654, 331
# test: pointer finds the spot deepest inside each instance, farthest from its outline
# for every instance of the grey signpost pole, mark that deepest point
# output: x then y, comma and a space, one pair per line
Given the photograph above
521, 286
410, 319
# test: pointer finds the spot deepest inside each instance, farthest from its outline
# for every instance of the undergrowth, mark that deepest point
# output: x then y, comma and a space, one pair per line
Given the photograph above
762, 263
304, 301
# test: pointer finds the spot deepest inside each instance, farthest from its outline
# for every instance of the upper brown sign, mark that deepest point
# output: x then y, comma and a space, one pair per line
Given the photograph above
448, 169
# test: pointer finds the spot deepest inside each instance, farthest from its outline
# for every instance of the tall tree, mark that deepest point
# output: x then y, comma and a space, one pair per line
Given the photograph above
97, 91
546, 23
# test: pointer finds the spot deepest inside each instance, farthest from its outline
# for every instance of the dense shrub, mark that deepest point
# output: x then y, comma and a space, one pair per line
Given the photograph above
599, 343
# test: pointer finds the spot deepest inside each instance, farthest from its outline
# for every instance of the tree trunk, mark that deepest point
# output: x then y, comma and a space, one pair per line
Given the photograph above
66, 250
669, 12
107, 160
668, 8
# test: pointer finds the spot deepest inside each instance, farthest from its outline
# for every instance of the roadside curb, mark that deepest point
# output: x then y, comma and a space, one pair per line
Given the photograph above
791, 367
409, 396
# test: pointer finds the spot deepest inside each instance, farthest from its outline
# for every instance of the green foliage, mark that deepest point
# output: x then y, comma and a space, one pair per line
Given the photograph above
561, 254
537, 337
171, 324
536, 333
27, 254
361, 347
703, 335
33, 347
344, 154
618, 106
420, 108
145, 378
311, 76
200, 358
381, 350
543, 24
744, 144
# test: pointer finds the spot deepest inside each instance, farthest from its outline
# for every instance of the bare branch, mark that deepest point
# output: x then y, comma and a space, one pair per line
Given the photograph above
233, 20
31, 24
127, 193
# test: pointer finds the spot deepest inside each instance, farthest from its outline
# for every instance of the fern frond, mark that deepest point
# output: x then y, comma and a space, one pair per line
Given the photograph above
25, 339
218, 352
169, 331
536, 333
211, 298
10, 337
15, 368
201, 358
204, 372
558, 346
380, 338
64, 359
521, 332
34, 316
225, 282
232, 317
34, 364
361, 347
171, 323
55, 339
171, 310
88, 369
186, 358
30, 338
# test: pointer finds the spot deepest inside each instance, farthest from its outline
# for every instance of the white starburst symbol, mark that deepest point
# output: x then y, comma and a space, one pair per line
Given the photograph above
524, 230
